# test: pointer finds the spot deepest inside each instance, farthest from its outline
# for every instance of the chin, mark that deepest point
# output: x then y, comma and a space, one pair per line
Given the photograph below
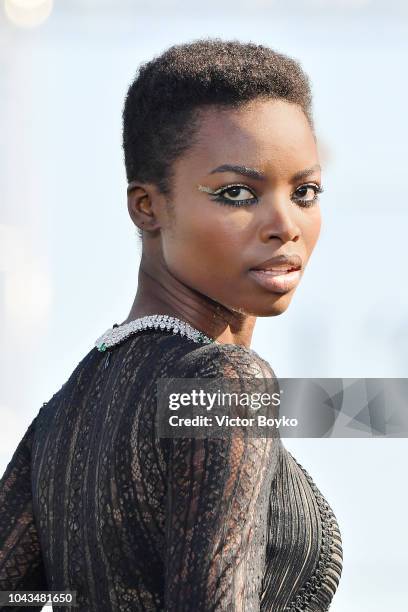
278, 308
276, 304
273, 310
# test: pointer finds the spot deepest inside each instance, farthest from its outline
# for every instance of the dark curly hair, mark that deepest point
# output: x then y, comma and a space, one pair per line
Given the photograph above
160, 114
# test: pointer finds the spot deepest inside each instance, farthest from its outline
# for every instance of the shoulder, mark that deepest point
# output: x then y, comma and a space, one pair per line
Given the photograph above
223, 360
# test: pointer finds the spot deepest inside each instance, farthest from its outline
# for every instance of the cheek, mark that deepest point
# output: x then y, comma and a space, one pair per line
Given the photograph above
311, 228
204, 243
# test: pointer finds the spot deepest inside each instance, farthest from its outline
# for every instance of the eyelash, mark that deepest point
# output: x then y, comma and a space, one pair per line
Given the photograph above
252, 201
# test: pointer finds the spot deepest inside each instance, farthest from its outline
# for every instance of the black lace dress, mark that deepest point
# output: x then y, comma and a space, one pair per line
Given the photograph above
95, 502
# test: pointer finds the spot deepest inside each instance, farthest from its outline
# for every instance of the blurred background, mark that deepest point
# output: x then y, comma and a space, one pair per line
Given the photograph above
69, 253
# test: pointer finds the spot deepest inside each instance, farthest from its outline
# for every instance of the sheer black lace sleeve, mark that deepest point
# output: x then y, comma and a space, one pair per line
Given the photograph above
21, 563
217, 500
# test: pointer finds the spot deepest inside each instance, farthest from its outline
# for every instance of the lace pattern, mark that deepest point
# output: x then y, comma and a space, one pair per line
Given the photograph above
93, 501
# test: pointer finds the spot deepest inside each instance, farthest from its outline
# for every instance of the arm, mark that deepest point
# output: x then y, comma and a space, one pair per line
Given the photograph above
21, 565
217, 501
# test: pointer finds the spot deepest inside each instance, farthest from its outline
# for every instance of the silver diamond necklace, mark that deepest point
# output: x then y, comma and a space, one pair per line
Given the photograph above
116, 334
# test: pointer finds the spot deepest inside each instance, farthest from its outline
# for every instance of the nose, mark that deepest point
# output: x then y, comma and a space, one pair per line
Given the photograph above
280, 221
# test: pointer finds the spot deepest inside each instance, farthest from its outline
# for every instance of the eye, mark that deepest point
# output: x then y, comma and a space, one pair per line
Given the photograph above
236, 194
307, 195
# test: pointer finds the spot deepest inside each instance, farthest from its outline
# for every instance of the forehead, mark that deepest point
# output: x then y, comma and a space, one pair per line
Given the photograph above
272, 134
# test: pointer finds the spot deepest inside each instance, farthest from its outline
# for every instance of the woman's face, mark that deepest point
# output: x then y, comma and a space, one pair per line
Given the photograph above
225, 221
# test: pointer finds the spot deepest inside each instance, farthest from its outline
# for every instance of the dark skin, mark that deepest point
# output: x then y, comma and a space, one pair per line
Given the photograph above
197, 252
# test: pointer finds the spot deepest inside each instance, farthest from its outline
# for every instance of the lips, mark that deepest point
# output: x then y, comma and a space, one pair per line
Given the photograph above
279, 274
280, 264
276, 272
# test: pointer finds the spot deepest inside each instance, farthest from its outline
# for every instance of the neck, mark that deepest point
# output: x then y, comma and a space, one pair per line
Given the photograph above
159, 292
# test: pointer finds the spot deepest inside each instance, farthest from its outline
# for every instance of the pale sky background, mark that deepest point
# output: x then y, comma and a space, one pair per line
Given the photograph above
69, 254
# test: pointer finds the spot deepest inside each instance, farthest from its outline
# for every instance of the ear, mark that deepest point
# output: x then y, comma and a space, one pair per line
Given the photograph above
142, 205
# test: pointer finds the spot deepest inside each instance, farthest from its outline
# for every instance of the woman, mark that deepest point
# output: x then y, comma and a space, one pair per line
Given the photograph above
224, 180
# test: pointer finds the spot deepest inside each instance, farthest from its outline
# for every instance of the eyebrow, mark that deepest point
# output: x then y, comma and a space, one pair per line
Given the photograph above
302, 174
251, 172
256, 174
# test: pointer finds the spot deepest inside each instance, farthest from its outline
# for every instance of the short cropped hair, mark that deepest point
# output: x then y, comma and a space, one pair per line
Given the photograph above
159, 115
